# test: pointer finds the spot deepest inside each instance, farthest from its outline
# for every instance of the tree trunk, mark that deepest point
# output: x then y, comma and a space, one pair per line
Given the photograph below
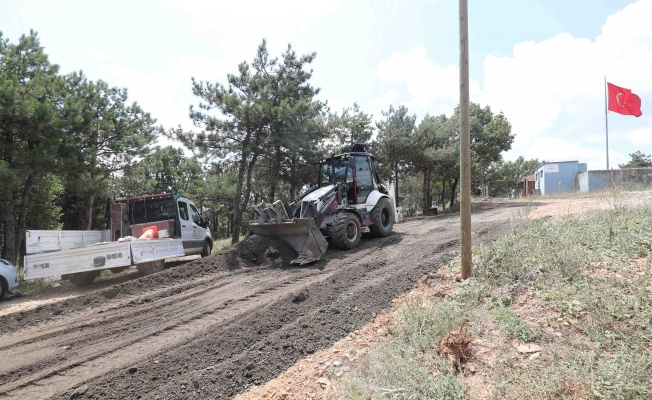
215, 229
239, 209
8, 251
443, 194
293, 188
453, 186
426, 189
428, 194
396, 184
424, 193
237, 215
275, 171
247, 194
22, 215
90, 201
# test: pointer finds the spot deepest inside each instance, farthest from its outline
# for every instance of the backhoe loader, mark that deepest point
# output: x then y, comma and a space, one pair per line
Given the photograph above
346, 196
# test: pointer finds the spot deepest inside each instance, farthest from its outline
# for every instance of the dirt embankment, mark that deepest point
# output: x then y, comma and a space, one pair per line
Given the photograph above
214, 327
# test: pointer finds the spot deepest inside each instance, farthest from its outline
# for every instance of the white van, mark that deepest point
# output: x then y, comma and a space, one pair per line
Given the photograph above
79, 256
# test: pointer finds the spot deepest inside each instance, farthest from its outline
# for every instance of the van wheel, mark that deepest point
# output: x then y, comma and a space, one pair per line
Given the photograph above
3, 287
346, 232
207, 249
381, 215
81, 279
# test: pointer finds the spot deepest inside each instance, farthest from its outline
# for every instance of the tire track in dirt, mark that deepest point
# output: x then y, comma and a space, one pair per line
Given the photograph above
213, 332
251, 363
125, 341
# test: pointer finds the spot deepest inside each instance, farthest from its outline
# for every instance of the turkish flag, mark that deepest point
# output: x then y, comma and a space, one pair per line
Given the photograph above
623, 101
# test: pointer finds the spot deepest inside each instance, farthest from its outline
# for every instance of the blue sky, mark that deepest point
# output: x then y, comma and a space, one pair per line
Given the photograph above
541, 62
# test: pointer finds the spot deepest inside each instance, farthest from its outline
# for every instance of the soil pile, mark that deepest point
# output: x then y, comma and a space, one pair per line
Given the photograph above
261, 251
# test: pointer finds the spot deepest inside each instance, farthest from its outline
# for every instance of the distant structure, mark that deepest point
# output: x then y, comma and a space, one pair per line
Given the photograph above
526, 186
590, 181
557, 177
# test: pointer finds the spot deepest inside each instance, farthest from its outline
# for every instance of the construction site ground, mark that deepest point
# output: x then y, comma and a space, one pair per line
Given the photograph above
238, 323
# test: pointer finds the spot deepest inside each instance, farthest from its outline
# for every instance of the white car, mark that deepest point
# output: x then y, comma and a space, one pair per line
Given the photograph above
8, 277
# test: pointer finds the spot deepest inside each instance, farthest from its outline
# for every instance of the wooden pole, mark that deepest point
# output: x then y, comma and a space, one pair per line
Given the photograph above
465, 140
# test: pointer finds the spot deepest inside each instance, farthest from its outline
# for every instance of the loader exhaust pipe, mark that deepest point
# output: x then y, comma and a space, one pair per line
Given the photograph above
302, 234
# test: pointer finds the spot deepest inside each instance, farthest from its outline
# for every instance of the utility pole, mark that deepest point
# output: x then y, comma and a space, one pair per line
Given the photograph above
465, 140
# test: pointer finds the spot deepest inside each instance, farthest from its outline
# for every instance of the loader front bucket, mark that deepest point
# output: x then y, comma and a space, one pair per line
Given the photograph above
302, 234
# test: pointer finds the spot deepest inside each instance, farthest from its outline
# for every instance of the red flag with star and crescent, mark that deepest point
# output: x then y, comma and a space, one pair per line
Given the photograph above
623, 101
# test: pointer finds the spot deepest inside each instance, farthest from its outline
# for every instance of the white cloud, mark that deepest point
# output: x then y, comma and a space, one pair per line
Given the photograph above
237, 27
432, 88
555, 88
640, 136
542, 81
555, 149
97, 56
388, 98
552, 91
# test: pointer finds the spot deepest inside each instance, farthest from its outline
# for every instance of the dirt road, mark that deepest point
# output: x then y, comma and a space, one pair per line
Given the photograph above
215, 326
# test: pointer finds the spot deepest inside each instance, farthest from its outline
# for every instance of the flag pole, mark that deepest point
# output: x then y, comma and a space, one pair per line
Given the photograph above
606, 120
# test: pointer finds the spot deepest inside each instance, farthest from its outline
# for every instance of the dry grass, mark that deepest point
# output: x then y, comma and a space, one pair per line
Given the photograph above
558, 309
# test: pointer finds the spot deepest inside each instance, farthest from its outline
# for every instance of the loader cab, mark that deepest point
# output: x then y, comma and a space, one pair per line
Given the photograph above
353, 169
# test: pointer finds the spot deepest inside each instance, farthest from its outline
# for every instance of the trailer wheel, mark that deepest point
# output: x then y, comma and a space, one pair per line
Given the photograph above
381, 215
207, 249
151, 267
83, 278
346, 231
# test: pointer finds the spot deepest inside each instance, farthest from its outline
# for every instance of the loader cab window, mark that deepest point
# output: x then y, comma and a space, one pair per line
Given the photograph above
331, 174
364, 183
325, 174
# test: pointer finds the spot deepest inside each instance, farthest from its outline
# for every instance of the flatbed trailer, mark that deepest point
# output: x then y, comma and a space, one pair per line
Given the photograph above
147, 255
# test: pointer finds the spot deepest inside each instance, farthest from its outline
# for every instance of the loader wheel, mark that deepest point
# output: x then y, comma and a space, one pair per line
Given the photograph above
83, 278
381, 215
346, 231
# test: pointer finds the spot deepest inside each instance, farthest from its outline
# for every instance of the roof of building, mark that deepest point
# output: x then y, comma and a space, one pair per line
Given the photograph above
557, 162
